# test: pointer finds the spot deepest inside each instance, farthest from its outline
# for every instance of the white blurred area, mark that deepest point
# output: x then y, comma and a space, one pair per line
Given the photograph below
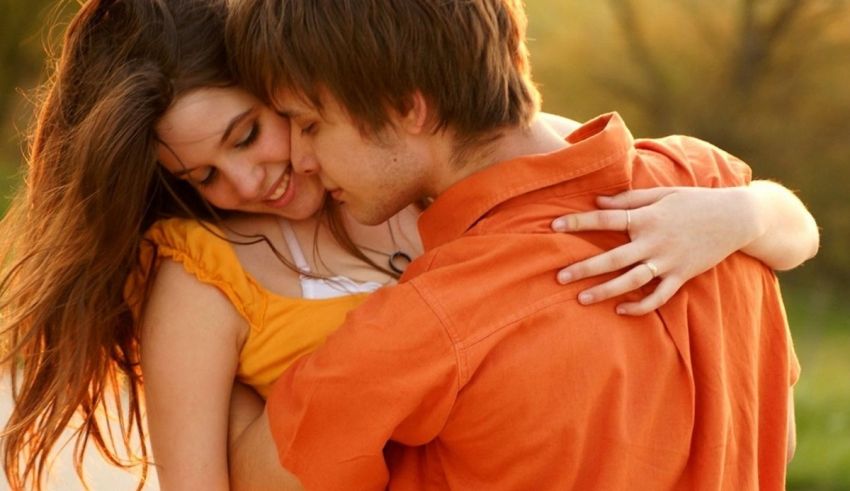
100, 475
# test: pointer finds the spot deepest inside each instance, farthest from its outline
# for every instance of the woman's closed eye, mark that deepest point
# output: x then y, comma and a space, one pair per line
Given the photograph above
250, 137
208, 178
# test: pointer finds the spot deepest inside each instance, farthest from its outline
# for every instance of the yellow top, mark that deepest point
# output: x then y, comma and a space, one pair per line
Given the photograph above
281, 329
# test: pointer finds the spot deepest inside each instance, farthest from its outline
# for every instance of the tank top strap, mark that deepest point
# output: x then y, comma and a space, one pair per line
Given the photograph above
294, 247
317, 287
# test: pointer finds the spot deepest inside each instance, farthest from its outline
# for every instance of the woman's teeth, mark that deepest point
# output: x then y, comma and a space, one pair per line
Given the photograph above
281, 188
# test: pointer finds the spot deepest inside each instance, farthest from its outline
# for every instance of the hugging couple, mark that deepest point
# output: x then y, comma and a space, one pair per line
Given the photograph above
251, 171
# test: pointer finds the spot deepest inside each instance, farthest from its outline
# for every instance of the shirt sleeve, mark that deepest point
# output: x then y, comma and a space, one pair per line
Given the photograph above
389, 373
696, 162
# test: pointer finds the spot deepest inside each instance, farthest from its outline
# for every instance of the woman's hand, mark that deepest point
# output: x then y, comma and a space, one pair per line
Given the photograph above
676, 233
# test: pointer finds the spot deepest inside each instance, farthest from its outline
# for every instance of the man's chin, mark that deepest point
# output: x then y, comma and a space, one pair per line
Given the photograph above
366, 216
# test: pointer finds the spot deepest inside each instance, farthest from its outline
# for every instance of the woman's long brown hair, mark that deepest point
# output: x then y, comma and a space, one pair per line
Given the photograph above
73, 234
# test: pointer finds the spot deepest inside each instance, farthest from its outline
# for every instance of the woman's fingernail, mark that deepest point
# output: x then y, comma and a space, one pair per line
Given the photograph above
585, 298
565, 277
621, 311
565, 224
559, 225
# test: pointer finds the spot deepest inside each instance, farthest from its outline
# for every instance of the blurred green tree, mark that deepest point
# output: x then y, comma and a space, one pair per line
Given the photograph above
17, 54
26, 33
27, 29
763, 79
21, 53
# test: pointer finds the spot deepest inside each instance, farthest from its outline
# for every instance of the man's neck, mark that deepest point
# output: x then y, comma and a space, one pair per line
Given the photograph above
511, 143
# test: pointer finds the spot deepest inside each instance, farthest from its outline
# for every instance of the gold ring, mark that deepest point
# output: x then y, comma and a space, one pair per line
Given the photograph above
652, 268
628, 221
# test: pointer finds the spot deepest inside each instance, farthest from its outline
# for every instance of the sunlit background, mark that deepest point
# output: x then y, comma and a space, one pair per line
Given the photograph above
768, 80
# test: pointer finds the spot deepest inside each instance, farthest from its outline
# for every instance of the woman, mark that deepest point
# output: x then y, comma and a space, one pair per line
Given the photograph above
162, 228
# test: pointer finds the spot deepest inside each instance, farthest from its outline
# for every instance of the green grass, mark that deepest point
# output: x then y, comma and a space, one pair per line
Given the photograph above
821, 329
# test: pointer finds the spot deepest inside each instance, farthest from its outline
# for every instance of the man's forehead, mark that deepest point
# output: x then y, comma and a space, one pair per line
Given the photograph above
293, 104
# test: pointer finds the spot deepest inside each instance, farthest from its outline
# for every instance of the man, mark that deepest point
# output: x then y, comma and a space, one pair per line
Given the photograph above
478, 371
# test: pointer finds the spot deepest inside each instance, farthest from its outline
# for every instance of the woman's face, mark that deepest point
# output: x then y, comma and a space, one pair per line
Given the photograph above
235, 151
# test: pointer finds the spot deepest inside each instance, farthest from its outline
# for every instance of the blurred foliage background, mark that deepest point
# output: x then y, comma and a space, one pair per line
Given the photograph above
767, 80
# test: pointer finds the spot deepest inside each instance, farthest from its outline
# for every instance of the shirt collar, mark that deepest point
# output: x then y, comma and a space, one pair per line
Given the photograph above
600, 142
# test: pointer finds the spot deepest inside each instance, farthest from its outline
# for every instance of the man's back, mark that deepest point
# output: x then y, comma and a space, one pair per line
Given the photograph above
483, 373
574, 397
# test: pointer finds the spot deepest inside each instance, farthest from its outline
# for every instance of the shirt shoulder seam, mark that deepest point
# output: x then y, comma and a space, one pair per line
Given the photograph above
438, 310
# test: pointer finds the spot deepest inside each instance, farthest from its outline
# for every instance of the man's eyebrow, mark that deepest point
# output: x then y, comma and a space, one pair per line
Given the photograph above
233, 122
290, 113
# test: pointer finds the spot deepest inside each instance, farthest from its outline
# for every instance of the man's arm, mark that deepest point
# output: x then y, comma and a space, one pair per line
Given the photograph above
328, 417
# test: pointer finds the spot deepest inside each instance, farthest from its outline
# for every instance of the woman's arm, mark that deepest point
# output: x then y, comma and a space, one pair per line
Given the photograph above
190, 346
788, 235
792, 429
253, 455
681, 232
559, 124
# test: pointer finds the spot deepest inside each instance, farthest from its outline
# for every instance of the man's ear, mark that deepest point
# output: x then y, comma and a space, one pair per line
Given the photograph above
417, 118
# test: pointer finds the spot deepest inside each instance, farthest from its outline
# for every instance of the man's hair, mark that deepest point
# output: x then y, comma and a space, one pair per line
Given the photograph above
467, 57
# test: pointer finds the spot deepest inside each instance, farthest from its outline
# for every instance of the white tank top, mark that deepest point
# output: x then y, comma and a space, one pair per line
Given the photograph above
320, 288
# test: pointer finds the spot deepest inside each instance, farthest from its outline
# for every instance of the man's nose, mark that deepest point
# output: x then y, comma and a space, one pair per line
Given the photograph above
303, 159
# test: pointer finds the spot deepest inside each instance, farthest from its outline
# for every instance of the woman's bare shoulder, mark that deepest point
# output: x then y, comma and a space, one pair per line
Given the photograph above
180, 300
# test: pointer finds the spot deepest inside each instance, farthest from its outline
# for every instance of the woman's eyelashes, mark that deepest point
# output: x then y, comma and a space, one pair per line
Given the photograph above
209, 177
250, 137
247, 140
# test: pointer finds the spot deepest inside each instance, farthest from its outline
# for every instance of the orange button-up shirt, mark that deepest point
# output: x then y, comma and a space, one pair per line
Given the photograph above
480, 372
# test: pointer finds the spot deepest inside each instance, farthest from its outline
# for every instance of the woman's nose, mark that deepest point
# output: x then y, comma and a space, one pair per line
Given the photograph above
248, 180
